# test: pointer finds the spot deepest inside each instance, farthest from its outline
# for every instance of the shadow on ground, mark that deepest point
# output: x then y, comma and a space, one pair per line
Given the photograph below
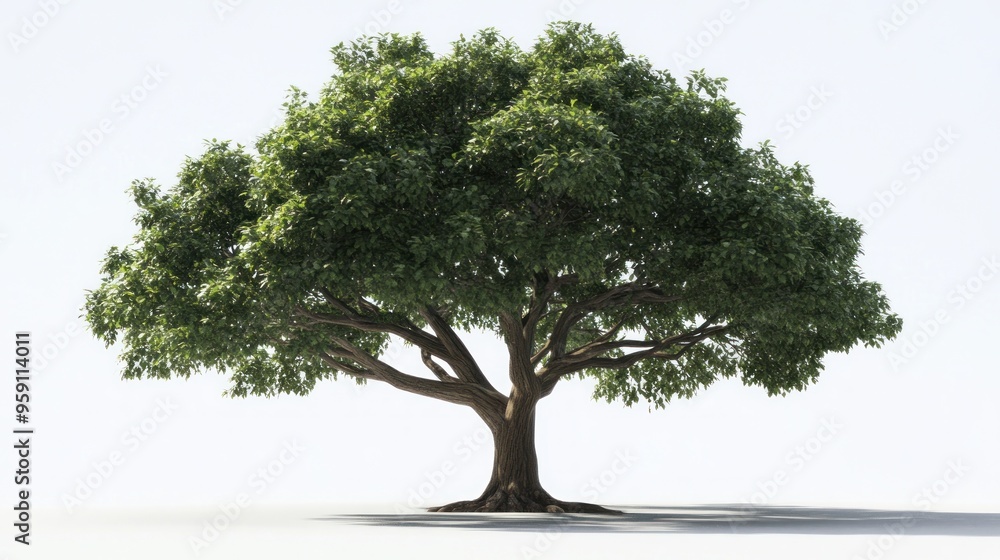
728, 518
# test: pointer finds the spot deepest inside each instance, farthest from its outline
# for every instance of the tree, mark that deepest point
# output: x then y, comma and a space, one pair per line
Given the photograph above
599, 217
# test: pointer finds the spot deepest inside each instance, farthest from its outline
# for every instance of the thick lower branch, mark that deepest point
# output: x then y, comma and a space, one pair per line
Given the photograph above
488, 404
624, 294
367, 324
446, 346
572, 363
437, 370
346, 368
457, 355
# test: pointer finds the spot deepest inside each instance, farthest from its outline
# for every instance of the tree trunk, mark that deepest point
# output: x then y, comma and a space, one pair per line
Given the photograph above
514, 484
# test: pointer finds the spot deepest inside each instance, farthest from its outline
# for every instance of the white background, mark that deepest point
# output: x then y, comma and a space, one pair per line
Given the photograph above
856, 89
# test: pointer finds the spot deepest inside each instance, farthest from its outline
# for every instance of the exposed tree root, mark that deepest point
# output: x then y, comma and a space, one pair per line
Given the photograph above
530, 502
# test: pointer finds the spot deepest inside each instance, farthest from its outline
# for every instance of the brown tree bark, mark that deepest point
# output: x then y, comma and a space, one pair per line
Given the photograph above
514, 485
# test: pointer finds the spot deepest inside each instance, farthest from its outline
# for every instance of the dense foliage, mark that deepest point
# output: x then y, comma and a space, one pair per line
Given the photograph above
608, 206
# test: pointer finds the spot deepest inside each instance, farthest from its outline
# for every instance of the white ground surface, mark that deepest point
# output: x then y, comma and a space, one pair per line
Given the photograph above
711, 532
